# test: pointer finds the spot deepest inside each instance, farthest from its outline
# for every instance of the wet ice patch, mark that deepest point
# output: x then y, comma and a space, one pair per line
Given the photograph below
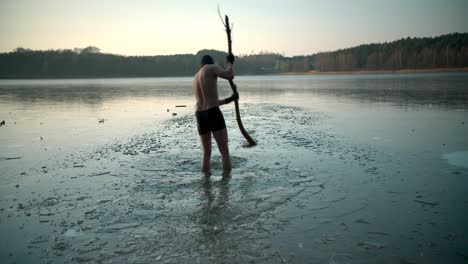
459, 158
73, 233
149, 200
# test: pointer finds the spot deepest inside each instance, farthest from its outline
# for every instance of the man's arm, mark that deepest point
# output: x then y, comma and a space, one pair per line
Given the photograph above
227, 73
229, 99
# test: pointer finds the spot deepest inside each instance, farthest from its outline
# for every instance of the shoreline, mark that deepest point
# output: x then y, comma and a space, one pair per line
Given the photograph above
403, 71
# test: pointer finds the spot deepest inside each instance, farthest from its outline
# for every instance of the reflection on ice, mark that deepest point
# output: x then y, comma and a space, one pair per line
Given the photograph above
459, 158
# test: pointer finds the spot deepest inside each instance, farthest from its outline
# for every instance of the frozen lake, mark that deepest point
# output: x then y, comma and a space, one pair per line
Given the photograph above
348, 169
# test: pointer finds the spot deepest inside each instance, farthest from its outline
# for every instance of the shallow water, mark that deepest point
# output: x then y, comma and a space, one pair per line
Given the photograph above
349, 169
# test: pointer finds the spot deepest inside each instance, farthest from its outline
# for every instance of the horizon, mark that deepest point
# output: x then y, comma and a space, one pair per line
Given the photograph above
146, 28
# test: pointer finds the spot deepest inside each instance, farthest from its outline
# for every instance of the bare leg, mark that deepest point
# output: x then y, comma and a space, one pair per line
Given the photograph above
206, 151
221, 138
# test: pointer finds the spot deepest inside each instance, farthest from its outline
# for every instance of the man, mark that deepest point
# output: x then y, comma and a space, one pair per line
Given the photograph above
210, 120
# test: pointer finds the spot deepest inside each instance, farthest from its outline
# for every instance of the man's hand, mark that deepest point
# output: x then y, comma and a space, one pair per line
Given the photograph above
231, 98
235, 96
230, 58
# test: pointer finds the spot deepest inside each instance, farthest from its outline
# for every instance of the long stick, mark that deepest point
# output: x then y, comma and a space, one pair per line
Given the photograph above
234, 90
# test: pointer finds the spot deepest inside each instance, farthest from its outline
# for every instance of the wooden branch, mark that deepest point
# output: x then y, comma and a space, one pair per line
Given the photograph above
246, 135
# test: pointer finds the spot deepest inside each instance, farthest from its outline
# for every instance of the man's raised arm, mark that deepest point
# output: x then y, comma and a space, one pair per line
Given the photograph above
227, 73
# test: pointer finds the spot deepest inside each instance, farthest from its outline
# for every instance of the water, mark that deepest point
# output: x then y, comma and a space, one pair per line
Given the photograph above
349, 169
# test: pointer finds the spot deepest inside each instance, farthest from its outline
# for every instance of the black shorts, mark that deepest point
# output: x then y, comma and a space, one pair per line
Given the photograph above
210, 120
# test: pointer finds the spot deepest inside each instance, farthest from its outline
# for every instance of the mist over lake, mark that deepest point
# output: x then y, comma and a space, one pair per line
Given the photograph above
348, 169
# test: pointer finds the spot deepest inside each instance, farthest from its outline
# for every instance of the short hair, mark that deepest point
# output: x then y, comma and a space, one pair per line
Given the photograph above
207, 59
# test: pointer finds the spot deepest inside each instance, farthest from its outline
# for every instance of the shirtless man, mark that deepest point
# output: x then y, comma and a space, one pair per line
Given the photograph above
210, 120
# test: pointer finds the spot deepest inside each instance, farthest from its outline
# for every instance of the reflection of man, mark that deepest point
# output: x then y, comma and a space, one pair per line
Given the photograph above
210, 120
214, 224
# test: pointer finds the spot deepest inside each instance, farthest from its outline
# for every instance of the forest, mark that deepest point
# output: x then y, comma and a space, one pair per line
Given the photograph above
446, 51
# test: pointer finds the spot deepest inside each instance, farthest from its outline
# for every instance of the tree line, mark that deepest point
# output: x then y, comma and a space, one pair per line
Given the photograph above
446, 51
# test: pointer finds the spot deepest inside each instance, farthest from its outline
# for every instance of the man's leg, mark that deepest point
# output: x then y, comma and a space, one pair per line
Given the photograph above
206, 151
221, 138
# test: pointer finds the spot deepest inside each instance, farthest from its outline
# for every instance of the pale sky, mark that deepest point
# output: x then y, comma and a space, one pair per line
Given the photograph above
156, 27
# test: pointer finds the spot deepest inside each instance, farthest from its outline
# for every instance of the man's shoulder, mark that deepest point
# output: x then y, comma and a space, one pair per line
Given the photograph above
212, 67
211, 70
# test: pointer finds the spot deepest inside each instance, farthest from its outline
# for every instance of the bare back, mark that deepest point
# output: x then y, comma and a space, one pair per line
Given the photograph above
205, 86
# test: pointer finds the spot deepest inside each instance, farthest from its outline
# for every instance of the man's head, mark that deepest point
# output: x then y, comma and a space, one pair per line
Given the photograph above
207, 59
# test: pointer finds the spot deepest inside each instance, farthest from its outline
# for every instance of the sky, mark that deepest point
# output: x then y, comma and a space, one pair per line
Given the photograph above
162, 27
